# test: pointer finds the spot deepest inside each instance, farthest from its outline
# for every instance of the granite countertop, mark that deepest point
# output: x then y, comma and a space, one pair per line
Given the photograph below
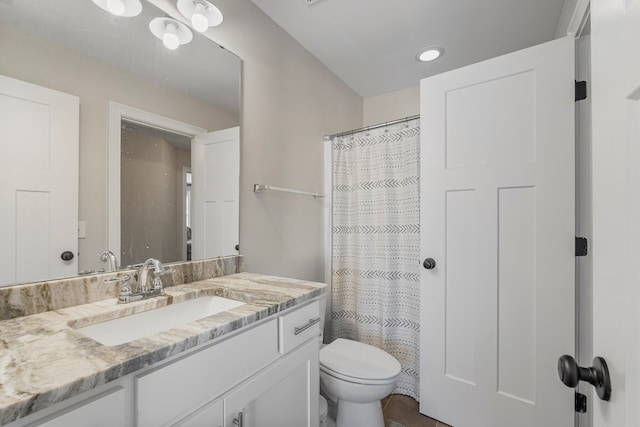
44, 360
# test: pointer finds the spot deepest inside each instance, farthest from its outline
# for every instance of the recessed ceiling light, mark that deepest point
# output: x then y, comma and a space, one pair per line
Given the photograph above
430, 54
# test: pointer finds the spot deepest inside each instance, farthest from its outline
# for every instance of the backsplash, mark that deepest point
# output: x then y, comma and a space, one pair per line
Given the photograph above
38, 297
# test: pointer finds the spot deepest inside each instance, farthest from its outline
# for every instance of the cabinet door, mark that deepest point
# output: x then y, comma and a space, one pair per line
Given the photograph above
284, 394
209, 416
105, 410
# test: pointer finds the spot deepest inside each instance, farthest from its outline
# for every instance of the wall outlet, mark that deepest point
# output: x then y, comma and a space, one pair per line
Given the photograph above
82, 229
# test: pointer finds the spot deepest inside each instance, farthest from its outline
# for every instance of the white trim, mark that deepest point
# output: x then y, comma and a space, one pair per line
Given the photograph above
118, 113
185, 170
328, 224
580, 13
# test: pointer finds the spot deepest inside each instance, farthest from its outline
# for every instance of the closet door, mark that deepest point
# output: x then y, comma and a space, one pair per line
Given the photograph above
497, 217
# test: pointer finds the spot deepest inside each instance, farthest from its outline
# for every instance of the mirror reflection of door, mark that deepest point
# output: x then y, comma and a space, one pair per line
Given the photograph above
215, 202
155, 193
38, 182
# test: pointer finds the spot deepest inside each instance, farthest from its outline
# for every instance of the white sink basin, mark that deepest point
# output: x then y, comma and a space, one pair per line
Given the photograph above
140, 325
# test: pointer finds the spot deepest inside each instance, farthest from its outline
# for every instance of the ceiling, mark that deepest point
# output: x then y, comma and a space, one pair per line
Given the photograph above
371, 44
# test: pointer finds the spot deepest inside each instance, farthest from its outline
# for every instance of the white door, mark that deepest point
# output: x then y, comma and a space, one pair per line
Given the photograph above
615, 88
215, 167
497, 216
38, 182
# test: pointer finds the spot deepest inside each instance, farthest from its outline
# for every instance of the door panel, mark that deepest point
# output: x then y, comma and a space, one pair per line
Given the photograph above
38, 182
215, 164
497, 214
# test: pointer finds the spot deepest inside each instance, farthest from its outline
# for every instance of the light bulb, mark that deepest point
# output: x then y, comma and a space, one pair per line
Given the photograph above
170, 38
430, 54
198, 19
116, 7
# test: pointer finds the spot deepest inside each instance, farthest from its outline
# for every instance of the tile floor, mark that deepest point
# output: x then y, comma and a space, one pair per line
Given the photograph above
402, 411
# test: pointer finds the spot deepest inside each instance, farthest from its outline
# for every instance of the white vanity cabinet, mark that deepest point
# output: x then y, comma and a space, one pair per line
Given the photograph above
105, 410
172, 391
283, 395
269, 372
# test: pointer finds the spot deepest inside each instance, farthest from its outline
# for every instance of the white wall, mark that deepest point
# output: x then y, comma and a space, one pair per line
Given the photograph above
290, 100
391, 106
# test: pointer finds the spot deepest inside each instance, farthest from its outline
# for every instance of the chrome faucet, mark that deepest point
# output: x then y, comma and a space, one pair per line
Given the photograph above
143, 272
110, 259
142, 290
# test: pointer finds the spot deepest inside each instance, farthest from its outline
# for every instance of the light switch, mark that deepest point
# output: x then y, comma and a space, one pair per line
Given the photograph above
82, 229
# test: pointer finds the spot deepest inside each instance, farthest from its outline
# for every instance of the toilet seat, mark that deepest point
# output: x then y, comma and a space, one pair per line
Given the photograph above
359, 363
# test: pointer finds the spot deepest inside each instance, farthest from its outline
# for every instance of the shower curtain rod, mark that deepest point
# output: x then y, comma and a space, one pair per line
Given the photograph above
379, 125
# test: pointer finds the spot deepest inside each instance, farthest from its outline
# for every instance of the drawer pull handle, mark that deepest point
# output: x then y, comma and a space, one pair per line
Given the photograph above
300, 329
239, 421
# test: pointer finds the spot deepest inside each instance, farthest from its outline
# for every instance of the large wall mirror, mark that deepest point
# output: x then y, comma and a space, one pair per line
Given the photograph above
112, 142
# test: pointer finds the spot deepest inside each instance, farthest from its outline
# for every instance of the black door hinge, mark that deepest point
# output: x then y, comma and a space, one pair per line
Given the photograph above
581, 403
581, 246
581, 90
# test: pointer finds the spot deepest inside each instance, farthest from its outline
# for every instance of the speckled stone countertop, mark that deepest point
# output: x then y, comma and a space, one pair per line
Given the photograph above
44, 360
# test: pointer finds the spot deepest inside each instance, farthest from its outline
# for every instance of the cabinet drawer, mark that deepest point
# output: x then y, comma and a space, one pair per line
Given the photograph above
105, 410
188, 383
298, 326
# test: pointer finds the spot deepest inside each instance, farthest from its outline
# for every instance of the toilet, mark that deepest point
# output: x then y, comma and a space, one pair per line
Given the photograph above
357, 376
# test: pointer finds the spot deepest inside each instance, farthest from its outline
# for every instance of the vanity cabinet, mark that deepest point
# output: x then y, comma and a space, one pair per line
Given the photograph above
268, 372
105, 410
284, 395
167, 393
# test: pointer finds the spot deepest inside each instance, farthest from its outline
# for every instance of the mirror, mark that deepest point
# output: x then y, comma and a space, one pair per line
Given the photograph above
128, 85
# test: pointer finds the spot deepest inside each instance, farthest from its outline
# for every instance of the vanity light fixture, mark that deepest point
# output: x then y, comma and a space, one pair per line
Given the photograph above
429, 54
201, 13
171, 32
125, 8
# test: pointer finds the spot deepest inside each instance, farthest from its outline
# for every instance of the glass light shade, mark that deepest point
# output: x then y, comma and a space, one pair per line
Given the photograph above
172, 33
170, 39
201, 13
116, 7
122, 8
198, 19
215, 16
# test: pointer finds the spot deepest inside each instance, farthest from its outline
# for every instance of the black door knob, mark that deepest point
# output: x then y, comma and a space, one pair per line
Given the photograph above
66, 255
597, 375
429, 263
237, 247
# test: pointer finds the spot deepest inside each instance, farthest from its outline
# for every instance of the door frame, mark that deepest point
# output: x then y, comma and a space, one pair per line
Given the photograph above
584, 224
117, 113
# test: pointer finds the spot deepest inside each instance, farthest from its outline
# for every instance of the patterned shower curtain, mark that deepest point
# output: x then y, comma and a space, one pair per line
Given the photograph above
376, 244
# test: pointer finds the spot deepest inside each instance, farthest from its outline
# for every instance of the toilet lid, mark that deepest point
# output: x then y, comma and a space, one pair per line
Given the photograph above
358, 360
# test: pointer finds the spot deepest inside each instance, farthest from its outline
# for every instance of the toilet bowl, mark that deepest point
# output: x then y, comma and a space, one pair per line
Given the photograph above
357, 376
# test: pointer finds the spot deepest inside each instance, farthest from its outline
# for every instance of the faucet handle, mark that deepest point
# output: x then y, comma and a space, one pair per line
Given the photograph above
125, 287
168, 270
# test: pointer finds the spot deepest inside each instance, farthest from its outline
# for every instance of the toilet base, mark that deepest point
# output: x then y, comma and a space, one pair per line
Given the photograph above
359, 414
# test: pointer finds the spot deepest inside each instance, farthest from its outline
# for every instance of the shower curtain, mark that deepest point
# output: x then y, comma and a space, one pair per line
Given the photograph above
376, 244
